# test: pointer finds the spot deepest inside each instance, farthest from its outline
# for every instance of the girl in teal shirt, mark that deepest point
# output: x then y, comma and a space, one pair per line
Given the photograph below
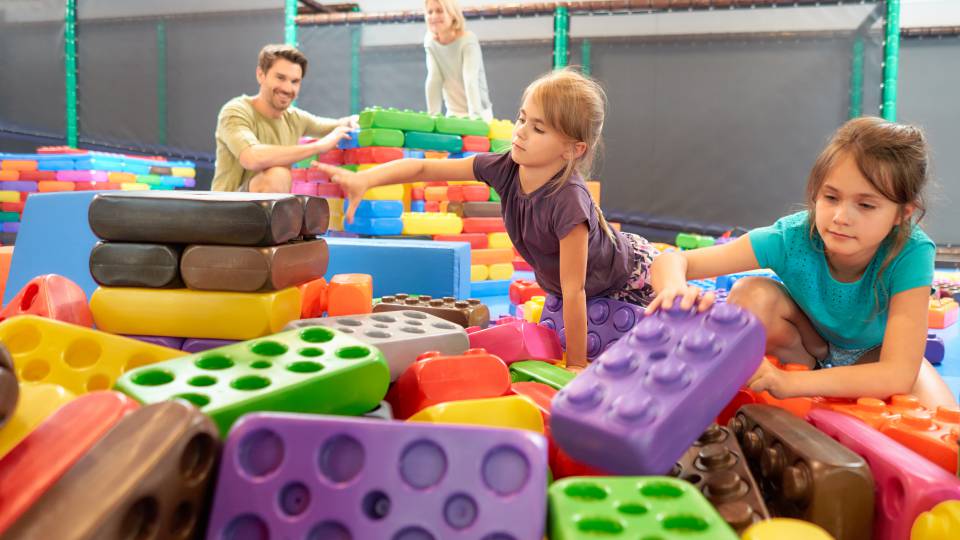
856, 271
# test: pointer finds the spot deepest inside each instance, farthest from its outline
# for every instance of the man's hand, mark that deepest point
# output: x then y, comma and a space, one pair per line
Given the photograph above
330, 140
351, 121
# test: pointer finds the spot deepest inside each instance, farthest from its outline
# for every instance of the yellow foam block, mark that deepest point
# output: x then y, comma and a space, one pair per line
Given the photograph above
533, 309
10, 196
185, 172
121, 177
77, 358
134, 186
385, 193
516, 412
198, 314
421, 185
943, 521
36, 403
336, 223
501, 129
479, 272
407, 196
431, 223
501, 271
499, 240
785, 529
366, 166
594, 188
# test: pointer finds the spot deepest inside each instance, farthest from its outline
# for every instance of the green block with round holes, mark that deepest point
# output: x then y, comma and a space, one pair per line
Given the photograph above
308, 370
633, 507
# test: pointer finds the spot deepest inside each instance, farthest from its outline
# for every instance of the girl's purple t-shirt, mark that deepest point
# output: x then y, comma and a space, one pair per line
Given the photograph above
537, 221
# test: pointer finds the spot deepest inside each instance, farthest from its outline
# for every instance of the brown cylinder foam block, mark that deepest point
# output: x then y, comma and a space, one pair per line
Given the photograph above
124, 264
481, 209
148, 477
316, 215
9, 389
250, 269
196, 217
805, 474
716, 465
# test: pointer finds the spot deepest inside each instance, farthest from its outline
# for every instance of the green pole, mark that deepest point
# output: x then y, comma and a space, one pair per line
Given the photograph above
356, 33
290, 23
70, 70
162, 83
856, 78
561, 37
585, 56
891, 61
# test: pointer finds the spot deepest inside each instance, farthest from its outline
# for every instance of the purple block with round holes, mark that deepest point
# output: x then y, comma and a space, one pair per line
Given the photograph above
163, 341
196, 345
643, 402
607, 321
333, 477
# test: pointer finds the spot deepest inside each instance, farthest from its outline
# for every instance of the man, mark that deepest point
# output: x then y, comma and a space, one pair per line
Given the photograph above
257, 136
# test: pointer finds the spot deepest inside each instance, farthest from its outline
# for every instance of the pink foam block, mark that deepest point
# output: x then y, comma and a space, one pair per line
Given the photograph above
907, 483
303, 188
329, 190
518, 340
82, 176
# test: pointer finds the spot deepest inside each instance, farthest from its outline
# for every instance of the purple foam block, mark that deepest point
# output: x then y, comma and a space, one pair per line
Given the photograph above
163, 341
189, 182
11, 226
643, 402
607, 321
22, 186
332, 477
935, 350
196, 345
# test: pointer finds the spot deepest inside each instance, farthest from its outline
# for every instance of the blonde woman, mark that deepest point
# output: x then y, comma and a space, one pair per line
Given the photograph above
455, 73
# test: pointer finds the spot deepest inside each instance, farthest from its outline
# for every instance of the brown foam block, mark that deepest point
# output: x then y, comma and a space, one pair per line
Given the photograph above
123, 264
9, 389
316, 215
148, 477
250, 269
466, 313
805, 474
716, 465
196, 217
481, 209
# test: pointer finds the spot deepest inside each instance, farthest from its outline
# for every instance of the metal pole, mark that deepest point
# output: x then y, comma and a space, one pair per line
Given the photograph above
585, 56
356, 33
561, 37
162, 83
290, 22
70, 70
891, 61
856, 78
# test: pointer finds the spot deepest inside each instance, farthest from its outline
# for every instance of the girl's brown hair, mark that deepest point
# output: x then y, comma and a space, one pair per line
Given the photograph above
574, 105
893, 158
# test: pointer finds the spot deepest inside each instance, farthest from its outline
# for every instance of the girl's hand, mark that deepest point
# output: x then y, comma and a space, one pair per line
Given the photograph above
769, 378
688, 294
330, 140
353, 184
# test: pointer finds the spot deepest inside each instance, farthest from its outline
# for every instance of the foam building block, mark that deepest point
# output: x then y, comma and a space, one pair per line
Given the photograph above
374, 226
935, 349
400, 335
79, 359
9, 386
941, 522
350, 294
229, 218
431, 223
476, 240
785, 529
466, 313
633, 507
152, 471
715, 464
431, 141
187, 313
253, 269
316, 215
438, 378
522, 290
933, 435
163, 341
313, 295
518, 340
802, 472
607, 321
380, 137
376, 208
197, 345
483, 225
36, 402
51, 296
462, 126
6, 255
645, 400
541, 372
532, 310
514, 412
482, 209
53, 447
943, 313
405, 120
907, 484
134, 264
315, 370
422, 267
295, 476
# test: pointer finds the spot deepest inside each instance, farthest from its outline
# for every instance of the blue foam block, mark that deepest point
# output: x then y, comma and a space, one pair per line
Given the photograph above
352, 142
54, 238
376, 209
374, 226
417, 206
404, 266
492, 287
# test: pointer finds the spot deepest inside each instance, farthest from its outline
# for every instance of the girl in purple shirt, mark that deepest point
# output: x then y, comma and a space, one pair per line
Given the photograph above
550, 216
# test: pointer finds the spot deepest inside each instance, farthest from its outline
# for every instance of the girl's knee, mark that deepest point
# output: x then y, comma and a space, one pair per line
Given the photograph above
759, 295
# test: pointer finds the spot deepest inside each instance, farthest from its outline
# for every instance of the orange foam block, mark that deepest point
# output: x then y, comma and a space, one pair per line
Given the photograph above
49, 186
943, 312
51, 296
483, 225
491, 256
18, 164
932, 435
9, 176
476, 240
6, 255
313, 296
350, 294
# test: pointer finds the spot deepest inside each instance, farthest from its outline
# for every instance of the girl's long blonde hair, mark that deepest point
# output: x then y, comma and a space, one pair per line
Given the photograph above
452, 7
574, 105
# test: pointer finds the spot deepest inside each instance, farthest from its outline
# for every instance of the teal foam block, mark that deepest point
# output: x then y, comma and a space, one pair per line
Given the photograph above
404, 266
54, 238
491, 287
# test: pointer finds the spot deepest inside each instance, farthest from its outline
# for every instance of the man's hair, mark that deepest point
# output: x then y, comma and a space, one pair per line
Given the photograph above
270, 53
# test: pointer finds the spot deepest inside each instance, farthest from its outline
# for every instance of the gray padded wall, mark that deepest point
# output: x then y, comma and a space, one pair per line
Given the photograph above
31, 87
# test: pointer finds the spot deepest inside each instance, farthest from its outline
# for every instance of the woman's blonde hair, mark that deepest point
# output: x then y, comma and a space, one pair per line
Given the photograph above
452, 8
893, 158
574, 105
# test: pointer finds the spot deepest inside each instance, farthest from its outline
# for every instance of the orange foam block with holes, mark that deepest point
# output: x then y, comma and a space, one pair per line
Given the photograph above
943, 312
313, 298
49, 451
434, 378
798, 406
933, 435
491, 256
350, 294
51, 296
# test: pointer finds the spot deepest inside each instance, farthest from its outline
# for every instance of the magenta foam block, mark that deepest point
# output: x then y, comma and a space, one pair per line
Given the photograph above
518, 340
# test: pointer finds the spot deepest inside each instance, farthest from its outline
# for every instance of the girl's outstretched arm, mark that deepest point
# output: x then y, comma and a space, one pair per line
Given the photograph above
573, 275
